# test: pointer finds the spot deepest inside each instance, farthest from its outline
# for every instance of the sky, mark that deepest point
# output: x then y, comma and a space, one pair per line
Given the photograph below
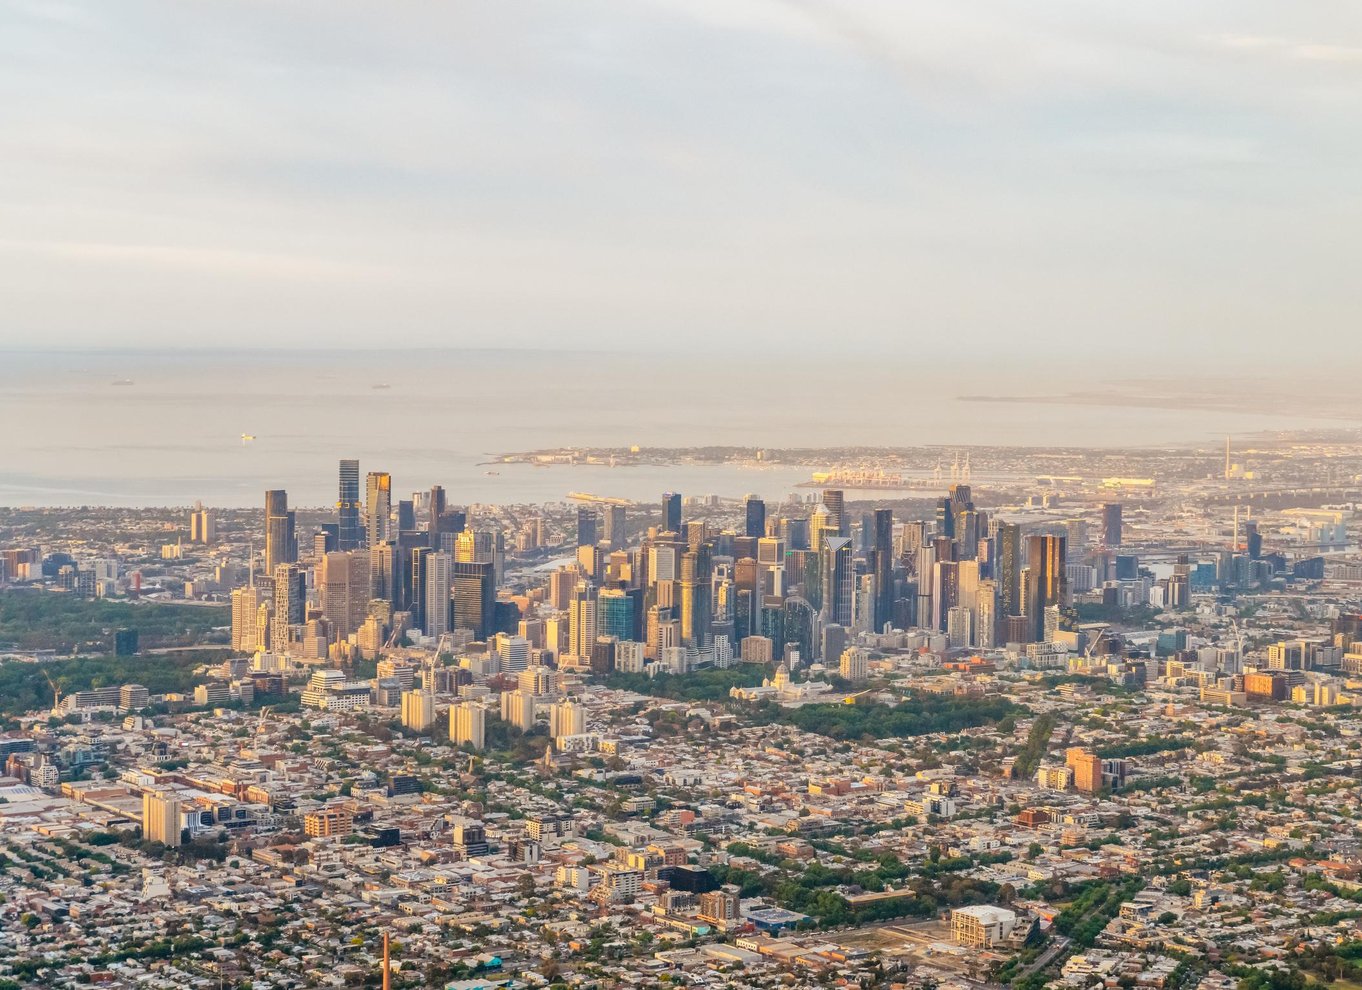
924, 179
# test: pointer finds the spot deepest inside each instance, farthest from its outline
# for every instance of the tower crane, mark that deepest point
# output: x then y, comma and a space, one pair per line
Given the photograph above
1087, 654
56, 693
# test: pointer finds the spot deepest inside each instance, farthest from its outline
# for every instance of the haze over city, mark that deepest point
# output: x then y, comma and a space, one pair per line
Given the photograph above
744, 495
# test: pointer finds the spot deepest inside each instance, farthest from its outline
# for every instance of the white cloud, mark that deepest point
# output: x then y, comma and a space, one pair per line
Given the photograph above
797, 170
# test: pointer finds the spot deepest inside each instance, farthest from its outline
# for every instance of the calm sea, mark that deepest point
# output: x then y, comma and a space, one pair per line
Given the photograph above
70, 436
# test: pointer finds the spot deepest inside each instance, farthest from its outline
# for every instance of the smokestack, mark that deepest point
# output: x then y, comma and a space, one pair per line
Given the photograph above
387, 966
1227, 458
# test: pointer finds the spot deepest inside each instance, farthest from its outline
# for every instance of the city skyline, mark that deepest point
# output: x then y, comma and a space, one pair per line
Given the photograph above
741, 494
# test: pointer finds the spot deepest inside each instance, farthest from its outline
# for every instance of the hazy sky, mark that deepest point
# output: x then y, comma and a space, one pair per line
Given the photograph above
932, 178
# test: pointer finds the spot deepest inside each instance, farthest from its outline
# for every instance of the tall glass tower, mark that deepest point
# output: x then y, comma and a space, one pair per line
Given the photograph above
347, 507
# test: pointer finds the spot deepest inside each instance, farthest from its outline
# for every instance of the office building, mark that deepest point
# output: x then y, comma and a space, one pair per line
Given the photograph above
378, 507
839, 581
980, 926
754, 510
883, 533
1111, 524
474, 596
1046, 581
329, 822
1008, 573
586, 526
615, 614
349, 533
439, 579
343, 586
834, 501
616, 526
582, 614
290, 605
281, 546
671, 512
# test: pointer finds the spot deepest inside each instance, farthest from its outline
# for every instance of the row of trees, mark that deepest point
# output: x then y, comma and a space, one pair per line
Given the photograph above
916, 715
41, 620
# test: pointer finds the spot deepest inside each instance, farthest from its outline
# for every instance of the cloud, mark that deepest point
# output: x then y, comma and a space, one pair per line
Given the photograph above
771, 173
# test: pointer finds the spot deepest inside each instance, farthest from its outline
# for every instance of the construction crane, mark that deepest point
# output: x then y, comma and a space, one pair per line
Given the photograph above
1238, 640
1087, 654
56, 693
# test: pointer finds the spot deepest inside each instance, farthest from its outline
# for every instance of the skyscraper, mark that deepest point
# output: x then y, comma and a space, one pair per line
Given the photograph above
582, 621
671, 512
439, 580
378, 506
1111, 524
290, 604
474, 597
435, 507
343, 585
383, 572
347, 507
835, 500
616, 524
615, 614
281, 546
415, 591
1046, 580
586, 526
1008, 573
884, 567
839, 581
697, 607
755, 511
245, 609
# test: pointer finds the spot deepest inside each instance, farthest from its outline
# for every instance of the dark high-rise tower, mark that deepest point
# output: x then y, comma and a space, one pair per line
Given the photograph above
671, 512
1009, 570
436, 504
474, 595
884, 567
349, 535
1111, 524
755, 510
616, 526
281, 546
839, 581
1046, 580
586, 526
